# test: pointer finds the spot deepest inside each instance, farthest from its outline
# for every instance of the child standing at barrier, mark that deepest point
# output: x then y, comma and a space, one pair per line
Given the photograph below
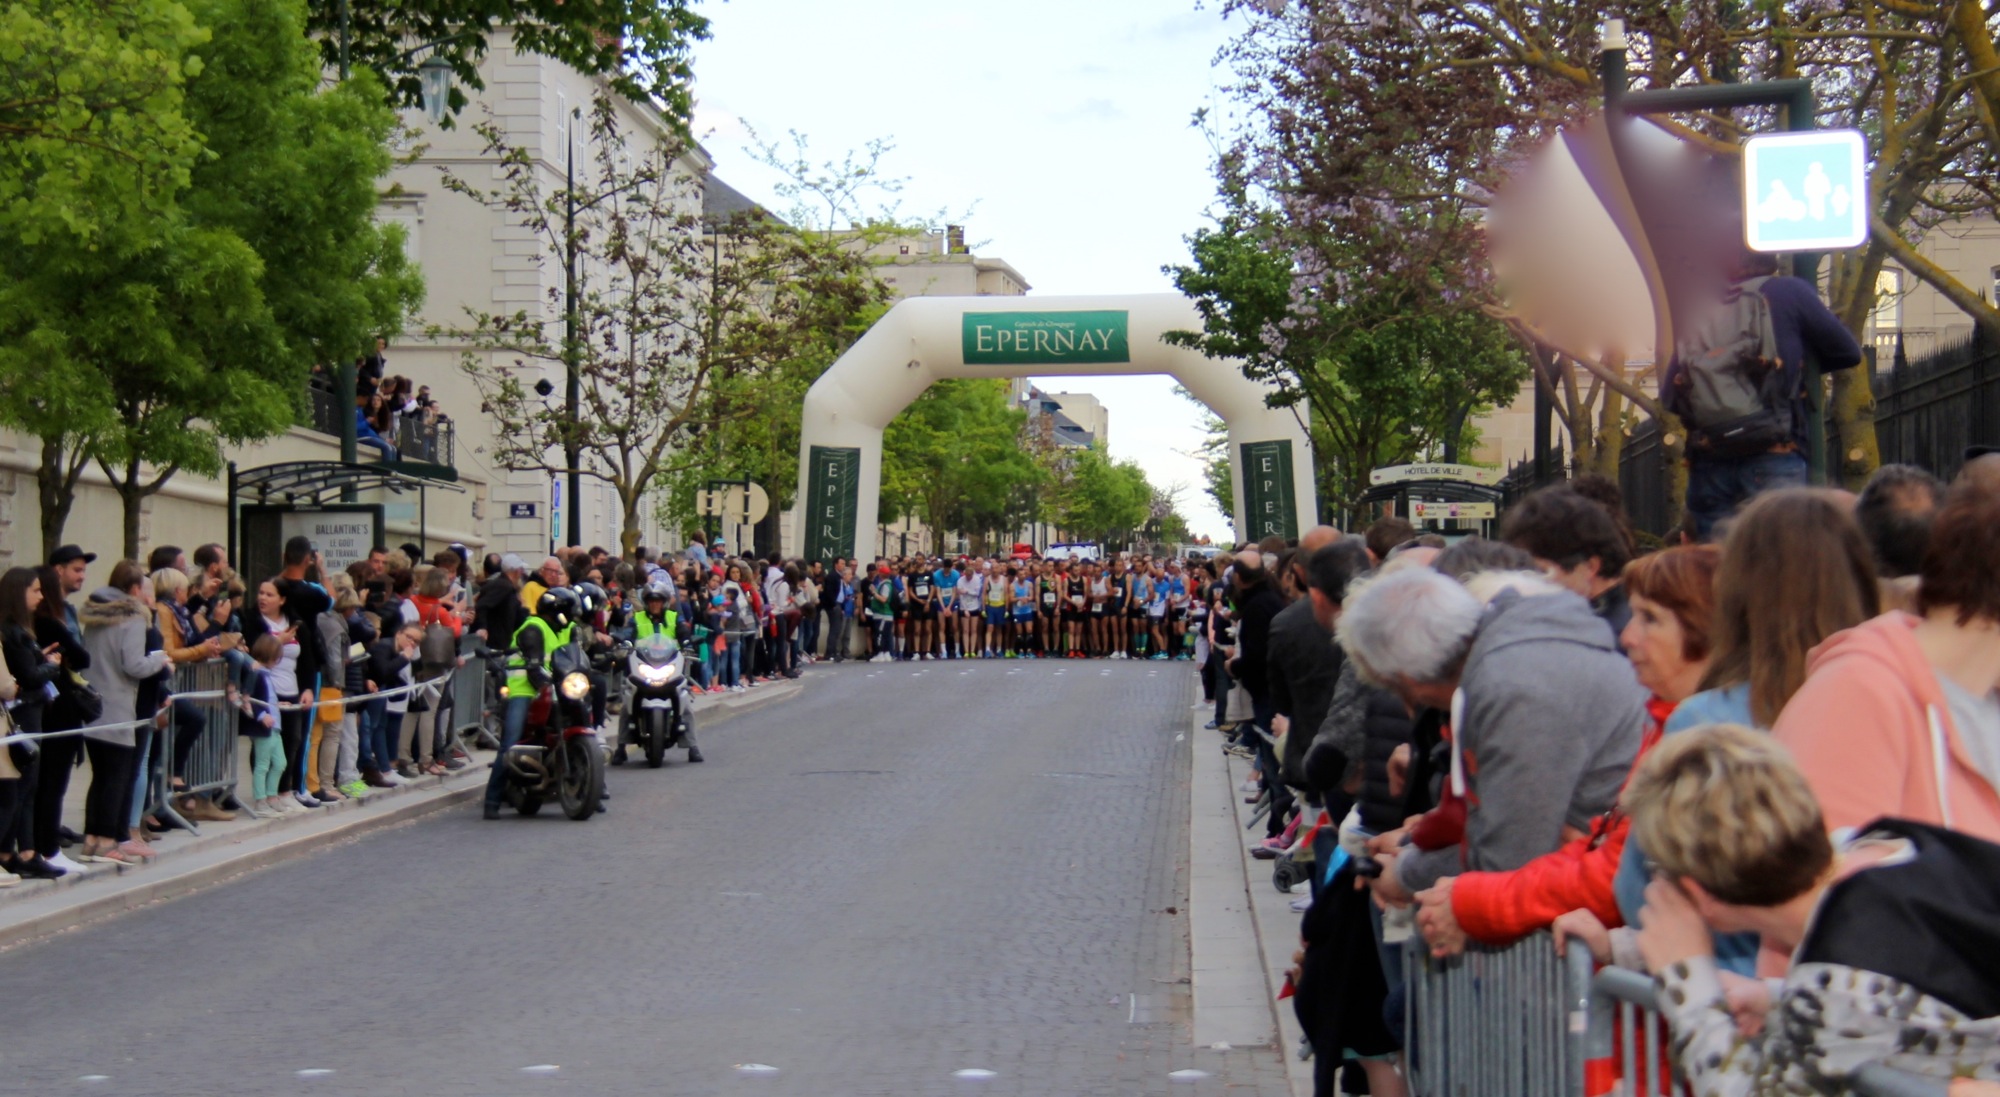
259, 723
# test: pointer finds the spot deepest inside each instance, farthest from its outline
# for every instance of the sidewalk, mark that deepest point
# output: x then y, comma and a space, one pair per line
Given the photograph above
221, 851
1242, 930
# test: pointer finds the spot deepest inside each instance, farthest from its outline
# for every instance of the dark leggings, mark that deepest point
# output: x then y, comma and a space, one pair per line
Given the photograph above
17, 809
110, 786
59, 757
189, 723
292, 728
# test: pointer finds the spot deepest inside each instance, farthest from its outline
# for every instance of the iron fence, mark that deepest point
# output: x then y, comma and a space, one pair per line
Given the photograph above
1929, 410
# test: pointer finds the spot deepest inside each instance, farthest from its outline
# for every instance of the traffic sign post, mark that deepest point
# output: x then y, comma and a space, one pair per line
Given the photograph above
1805, 191
1795, 96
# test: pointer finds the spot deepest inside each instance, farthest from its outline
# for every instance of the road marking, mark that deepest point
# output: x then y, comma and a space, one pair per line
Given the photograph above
755, 1068
1132, 1014
95, 1078
974, 1074
1188, 1075
315, 1072
541, 1068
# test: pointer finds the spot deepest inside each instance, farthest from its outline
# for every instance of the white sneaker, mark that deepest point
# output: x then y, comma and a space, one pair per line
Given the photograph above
9, 880
1249, 786
306, 800
62, 861
1302, 904
391, 777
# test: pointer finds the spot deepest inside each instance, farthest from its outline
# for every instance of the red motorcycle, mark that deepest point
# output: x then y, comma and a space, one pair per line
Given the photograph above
559, 756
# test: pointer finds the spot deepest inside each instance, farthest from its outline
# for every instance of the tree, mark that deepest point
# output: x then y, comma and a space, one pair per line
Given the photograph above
672, 316
92, 137
954, 459
1101, 499
641, 48
1453, 93
1388, 366
147, 358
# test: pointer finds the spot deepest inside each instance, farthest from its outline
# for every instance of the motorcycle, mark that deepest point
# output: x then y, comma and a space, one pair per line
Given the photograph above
559, 755
661, 714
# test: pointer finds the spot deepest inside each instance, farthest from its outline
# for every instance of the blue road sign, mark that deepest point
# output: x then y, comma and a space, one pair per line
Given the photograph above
1805, 191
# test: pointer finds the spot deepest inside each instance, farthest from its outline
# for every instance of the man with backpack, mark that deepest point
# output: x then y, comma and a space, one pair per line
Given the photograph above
1738, 383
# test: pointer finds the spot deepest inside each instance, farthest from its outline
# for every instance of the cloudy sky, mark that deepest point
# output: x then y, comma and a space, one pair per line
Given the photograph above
1064, 126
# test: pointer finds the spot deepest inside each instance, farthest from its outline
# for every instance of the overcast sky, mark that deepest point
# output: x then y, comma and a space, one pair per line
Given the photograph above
1067, 123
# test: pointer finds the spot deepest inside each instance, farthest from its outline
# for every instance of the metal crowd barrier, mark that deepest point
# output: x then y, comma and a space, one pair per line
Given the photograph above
1495, 1022
1522, 1021
211, 763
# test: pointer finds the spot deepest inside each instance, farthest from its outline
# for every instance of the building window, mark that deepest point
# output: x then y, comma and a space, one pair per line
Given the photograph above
902, 249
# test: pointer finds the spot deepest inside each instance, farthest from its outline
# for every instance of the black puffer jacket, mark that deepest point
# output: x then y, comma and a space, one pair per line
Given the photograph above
1385, 726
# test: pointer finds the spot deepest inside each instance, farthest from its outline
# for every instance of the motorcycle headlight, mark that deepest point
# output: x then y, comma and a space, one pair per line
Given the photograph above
576, 685
659, 675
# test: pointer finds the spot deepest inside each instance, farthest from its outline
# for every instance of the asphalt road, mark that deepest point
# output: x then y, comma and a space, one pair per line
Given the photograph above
908, 872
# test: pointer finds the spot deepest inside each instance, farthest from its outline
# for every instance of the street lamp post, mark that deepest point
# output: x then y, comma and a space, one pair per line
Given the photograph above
572, 387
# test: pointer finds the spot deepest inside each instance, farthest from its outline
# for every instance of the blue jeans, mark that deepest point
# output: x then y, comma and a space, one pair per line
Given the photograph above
729, 662
374, 751
1716, 488
513, 721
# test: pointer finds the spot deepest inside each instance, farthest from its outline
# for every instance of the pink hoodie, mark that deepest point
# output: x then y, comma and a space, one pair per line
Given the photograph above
1874, 735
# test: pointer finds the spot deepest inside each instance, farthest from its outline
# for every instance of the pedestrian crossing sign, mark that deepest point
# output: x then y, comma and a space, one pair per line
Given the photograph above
1805, 191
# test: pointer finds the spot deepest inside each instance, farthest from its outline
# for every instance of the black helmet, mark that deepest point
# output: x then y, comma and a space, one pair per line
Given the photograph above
593, 598
558, 606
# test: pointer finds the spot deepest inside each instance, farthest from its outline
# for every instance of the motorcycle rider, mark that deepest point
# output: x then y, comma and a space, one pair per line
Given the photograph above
656, 615
539, 637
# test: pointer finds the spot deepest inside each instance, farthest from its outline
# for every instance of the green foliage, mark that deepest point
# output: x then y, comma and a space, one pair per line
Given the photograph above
954, 459
148, 356
92, 138
1101, 499
641, 48
1384, 362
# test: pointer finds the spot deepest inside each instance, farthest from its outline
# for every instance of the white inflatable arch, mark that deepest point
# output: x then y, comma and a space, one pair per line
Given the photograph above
926, 339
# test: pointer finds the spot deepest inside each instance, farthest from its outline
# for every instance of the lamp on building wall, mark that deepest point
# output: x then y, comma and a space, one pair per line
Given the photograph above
435, 74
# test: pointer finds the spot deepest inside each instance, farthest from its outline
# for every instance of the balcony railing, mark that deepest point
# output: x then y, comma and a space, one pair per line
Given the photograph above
414, 440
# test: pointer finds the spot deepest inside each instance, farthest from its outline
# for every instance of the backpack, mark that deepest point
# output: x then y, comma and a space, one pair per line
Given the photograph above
1730, 388
437, 652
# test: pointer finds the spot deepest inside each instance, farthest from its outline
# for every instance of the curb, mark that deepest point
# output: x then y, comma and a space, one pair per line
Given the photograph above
186, 867
1235, 1001
1277, 932
56, 911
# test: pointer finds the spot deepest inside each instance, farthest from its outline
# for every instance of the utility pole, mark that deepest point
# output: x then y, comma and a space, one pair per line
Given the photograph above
572, 386
345, 384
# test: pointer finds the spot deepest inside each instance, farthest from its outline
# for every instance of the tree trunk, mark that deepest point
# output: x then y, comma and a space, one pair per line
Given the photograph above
1609, 442
133, 500
1854, 452
55, 484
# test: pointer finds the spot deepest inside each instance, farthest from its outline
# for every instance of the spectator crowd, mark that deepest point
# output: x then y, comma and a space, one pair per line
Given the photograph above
1764, 769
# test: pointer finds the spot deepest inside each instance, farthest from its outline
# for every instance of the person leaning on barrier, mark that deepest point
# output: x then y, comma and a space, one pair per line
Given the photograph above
1667, 640
1547, 715
1901, 715
538, 638
1892, 937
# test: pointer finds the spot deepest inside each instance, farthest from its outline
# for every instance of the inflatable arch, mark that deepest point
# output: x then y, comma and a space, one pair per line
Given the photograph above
926, 339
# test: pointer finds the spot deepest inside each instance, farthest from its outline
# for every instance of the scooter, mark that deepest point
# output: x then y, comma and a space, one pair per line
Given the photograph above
661, 713
559, 756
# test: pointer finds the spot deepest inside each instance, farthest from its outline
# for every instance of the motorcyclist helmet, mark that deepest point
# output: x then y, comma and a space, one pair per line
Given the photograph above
658, 591
558, 606
591, 598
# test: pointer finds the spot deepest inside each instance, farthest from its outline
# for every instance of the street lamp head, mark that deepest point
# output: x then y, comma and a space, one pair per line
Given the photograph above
435, 74
1614, 34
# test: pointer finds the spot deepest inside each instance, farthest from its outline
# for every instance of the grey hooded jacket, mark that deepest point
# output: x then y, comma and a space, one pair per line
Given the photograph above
114, 632
1552, 720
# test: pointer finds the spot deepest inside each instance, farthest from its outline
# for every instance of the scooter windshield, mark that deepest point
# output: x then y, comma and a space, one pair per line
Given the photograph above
656, 649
